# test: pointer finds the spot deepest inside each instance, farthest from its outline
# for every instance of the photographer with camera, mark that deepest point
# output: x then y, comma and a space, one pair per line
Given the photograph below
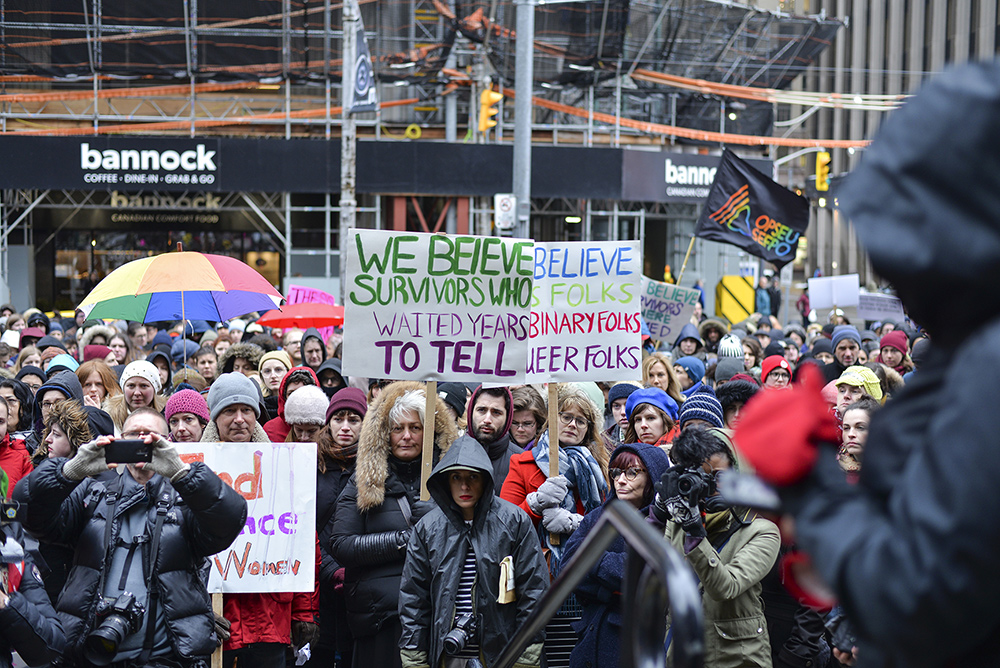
473, 570
730, 549
135, 595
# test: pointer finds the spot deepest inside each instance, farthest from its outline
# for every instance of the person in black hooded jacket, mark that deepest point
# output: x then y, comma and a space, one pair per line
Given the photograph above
910, 550
456, 563
65, 383
331, 377
376, 512
313, 349
488, 416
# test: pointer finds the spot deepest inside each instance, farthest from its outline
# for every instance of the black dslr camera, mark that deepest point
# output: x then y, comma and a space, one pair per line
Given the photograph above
118, 618
695, 485
458, 637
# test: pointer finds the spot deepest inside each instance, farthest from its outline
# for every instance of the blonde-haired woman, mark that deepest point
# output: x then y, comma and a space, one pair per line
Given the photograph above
658, 371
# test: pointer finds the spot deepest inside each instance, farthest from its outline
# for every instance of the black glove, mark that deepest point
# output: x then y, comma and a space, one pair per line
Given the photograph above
671, 504
419, 509
304, 633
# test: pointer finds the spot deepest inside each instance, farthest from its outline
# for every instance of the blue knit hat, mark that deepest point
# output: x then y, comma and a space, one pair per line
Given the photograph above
841, 332
620, 391
653, 396
695, 367
701, 406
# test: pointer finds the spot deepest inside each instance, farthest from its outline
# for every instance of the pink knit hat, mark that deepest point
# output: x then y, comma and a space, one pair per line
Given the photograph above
187, 401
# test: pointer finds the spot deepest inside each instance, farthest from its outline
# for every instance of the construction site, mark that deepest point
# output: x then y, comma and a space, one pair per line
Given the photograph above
250, 92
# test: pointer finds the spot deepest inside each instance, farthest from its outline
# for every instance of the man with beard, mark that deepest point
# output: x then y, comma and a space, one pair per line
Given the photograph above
489, 415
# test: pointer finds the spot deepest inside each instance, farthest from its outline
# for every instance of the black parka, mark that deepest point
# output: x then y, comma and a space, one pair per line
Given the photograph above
436, 554
911, 549
371, 522
203, 517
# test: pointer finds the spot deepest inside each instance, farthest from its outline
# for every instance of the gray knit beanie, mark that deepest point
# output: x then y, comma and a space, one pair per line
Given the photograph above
232, 388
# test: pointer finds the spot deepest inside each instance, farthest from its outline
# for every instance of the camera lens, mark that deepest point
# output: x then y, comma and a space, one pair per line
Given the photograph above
102, 644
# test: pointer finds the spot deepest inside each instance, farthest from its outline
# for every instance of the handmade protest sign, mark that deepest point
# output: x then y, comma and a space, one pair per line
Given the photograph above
437, 307
585, 312
880, 307
300, 294
276, 551
830, 291
666, 308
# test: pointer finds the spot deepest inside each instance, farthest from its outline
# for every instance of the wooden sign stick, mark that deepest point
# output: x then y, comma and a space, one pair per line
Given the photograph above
427, 454
553, 441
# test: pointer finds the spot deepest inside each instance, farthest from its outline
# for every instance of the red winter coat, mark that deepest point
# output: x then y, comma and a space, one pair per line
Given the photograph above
268, 617
14, 460
523, 478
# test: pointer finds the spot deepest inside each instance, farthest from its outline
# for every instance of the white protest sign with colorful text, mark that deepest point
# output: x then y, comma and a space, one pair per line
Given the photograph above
666, 308
585, 312
437, 307
276, 551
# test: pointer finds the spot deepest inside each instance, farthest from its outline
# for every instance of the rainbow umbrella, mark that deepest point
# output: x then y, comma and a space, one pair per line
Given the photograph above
181, 286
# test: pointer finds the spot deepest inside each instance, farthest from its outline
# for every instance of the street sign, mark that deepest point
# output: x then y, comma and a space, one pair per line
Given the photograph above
503, 211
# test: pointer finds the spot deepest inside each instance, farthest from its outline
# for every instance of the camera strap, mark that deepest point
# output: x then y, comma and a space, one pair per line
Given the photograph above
153, 590
111, 502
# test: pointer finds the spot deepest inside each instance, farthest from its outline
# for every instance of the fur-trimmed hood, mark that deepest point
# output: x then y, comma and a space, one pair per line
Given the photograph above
248, 351
211, 434
374, 449
72, 419
96, 330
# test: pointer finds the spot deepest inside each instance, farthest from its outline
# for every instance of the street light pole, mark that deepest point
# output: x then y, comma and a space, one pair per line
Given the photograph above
348, 136
523, 88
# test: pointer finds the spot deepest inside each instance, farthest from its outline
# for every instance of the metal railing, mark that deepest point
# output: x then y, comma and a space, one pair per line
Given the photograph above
656, 578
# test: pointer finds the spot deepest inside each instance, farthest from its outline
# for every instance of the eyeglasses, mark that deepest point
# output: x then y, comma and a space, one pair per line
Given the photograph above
136, 434
780, 375
630, 473
523, 425
568, 419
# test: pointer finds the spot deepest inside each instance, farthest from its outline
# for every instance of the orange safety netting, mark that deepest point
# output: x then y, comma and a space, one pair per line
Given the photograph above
134, 128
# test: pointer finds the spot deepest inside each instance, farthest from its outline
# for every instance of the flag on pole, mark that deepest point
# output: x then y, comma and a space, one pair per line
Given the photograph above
365, 98
747, 209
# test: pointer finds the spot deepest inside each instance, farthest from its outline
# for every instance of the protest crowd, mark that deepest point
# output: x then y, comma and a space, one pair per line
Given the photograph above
396, 574
877, 556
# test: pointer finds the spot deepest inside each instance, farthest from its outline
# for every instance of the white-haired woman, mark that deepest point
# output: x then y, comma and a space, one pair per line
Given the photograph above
374, 515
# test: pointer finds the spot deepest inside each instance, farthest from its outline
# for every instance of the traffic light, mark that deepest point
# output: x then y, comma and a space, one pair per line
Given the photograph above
823, 171
487, 111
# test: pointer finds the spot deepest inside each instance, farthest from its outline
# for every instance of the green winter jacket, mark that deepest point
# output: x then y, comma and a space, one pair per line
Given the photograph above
735, 630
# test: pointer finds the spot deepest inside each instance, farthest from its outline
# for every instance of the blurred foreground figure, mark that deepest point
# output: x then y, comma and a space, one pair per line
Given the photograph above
910, 550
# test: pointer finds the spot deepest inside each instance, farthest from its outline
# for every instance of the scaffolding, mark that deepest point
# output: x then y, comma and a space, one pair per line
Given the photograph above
272, 68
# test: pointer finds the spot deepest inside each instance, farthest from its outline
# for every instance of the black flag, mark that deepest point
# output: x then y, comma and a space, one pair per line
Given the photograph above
747, 209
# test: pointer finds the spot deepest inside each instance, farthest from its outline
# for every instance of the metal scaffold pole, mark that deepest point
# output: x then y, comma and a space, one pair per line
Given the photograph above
348, 138
523, 84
